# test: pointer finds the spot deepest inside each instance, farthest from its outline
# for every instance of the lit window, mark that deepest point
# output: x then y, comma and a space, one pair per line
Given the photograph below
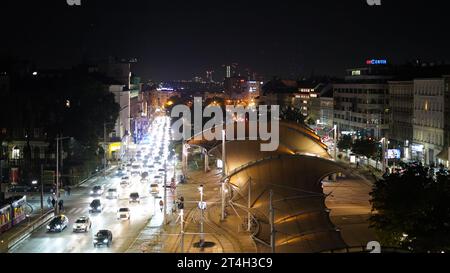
15, 153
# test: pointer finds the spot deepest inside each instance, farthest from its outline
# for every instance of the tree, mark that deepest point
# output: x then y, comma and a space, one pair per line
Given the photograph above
365, 147
292, 114
345, 143
412, 210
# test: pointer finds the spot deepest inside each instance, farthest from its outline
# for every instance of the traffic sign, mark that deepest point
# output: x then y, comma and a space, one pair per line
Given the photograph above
202, 205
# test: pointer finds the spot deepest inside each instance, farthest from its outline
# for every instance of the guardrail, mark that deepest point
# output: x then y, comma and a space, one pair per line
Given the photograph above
23, 234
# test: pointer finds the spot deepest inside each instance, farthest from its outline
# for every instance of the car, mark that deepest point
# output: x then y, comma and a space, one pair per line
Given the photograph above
134, 197
97, 190
58, 223
154, 188
158, 179
83, 223
95, 206
144, 180
125, 181
103, 237
123, 214
112, 193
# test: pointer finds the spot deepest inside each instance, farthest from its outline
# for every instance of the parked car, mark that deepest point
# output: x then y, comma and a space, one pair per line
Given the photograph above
95, 206
103, 237
83, 223
123, 214
58, 223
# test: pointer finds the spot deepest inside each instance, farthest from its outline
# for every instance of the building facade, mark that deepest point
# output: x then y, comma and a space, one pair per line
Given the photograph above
361, 103
401, 103
429, 121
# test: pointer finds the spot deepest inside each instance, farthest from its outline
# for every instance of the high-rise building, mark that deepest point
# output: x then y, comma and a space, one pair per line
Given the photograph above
361, 103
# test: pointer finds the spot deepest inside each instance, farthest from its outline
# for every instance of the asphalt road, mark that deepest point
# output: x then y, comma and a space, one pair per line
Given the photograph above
77, 204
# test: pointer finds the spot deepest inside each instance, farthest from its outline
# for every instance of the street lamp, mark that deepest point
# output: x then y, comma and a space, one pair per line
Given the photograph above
201, 206
57, 171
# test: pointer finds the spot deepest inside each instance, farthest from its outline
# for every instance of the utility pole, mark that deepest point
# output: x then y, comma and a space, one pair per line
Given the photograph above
42, 189
335, 141
57, 176
249, 221
58, 139
104, 150
174, 166
222, 192
182, 230
165, 192
224, 173
202, 236
222, 217
272, 222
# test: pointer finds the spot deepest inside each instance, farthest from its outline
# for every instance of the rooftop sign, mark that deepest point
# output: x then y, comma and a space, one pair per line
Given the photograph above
373, 61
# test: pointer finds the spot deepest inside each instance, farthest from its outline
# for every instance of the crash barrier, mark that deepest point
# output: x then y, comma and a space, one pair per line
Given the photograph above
24, 233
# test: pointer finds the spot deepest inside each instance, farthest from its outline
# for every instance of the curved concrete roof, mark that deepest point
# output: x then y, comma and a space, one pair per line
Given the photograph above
301, 217
294, 139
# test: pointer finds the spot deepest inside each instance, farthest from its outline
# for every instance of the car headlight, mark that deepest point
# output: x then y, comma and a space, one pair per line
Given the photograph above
95, 241
105, 241
48, 226
92, 192
58, 226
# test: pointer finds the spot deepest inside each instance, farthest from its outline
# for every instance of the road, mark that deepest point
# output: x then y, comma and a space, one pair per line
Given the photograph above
77, 204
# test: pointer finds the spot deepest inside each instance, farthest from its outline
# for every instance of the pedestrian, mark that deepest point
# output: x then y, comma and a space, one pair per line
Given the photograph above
53, 202
161, 204
357, 164
60, 204
68, 190
49, 202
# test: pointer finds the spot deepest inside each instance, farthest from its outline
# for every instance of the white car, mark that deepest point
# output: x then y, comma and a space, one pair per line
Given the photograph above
125, 182
158, 179
83, 223
123, 214
112, 193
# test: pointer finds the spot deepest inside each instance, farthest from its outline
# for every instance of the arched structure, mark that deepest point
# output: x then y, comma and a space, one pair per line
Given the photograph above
301, 219
293, 139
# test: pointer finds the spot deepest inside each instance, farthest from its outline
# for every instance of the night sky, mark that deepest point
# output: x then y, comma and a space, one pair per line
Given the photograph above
182, 39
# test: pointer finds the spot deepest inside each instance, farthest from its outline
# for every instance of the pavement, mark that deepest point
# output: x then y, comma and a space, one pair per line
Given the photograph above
350, 207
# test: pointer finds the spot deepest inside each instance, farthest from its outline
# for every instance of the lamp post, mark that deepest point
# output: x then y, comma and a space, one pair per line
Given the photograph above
165, 192
58, 139
202, 236
335, 141
222, 215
